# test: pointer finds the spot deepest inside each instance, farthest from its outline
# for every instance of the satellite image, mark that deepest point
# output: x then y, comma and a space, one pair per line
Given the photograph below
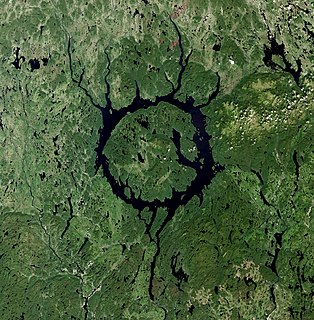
156, 160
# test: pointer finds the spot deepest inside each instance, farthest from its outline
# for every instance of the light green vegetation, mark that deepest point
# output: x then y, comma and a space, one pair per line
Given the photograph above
143, 154
70, 248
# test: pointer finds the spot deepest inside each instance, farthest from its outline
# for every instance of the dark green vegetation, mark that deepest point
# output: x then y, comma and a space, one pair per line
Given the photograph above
72, 249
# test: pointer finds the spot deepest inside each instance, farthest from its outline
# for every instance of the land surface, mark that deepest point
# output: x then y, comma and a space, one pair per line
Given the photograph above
156, 160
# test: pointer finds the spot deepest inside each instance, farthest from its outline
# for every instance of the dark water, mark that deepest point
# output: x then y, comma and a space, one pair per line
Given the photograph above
276, 49
34, 64
204, 164
16, 62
